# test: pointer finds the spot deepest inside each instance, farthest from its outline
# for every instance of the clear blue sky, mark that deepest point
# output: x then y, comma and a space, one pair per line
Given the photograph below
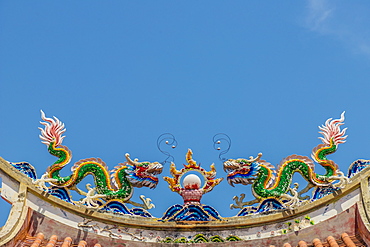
121, 73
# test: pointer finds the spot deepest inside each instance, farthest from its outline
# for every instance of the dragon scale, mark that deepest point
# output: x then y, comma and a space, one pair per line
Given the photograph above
85, 167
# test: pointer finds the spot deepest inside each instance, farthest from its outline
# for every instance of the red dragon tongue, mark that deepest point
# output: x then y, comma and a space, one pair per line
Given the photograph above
243, 171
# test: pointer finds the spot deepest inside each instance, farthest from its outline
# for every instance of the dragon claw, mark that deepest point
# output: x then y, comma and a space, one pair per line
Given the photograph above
342, 180
293, 200
91, 198
41, 182
147, 202
239, 202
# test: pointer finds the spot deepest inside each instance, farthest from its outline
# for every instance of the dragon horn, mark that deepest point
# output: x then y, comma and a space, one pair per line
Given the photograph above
130, 161
251, 159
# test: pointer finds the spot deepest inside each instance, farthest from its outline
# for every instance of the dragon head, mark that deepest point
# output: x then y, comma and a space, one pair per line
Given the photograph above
143, 173
242, 171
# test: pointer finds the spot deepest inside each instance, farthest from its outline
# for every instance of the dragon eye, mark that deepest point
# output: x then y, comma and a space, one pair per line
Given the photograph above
242, 163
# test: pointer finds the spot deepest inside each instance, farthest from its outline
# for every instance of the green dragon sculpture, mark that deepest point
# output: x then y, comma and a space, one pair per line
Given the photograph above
116, 185
265, 185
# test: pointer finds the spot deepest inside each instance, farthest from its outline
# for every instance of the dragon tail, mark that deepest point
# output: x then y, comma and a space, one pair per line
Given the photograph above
52, 136
332, 137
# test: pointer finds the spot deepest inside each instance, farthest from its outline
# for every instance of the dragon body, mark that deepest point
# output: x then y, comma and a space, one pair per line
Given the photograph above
265, 184
117, 184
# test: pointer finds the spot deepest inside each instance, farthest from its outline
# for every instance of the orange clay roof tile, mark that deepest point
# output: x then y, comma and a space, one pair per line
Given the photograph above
332, 242
345, 241
302, 244
67, 242
317, 243
40, 241
39, 238
82, 244
52, 241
